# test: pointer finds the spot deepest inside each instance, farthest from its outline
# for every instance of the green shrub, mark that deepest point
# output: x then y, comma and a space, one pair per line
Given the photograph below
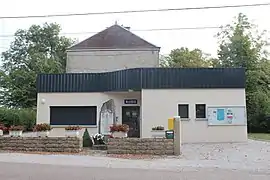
86, 139
21, 117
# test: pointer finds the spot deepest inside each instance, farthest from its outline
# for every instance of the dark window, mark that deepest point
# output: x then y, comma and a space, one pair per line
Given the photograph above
200, 111
183, 110
73, 115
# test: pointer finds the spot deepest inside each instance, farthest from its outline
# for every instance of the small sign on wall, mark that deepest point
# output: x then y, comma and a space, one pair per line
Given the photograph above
130, 101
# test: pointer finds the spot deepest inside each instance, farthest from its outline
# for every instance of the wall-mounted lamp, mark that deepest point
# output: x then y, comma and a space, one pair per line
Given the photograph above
43, 101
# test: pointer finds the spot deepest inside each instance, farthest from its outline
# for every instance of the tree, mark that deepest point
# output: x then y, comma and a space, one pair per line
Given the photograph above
241, 46
40, 49
185, 58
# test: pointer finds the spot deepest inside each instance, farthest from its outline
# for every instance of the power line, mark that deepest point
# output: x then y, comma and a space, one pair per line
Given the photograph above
161, 29
135, 11
140, 30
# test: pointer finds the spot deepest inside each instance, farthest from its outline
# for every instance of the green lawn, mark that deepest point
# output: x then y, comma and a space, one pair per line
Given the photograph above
259, 136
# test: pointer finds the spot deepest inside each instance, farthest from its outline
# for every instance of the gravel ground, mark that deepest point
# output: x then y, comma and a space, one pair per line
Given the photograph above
254, 155
253, 150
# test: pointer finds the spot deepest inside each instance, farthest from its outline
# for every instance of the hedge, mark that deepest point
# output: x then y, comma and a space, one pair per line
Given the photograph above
12, 116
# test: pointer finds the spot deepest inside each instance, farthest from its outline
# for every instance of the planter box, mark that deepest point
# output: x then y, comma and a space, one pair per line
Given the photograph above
120, 134
158, 133
15, 133
43, 133
1, 132
69, 133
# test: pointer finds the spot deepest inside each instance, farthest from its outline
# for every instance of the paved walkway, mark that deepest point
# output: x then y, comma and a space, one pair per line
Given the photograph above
15, 171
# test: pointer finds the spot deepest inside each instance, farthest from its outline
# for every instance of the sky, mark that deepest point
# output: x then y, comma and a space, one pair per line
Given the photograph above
77, 26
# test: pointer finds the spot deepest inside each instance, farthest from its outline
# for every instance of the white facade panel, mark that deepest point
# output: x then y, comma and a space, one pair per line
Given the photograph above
111, 60
156, 107
45, 100
159, 105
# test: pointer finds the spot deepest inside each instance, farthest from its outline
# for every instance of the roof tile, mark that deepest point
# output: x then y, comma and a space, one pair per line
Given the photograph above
114, 37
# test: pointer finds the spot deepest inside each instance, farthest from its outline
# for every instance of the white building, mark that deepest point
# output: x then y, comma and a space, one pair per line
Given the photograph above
211, 102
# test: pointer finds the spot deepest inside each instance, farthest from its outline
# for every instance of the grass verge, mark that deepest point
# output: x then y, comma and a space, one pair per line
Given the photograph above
259, 136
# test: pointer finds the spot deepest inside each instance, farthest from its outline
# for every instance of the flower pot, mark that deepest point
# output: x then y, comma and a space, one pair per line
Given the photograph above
15, 133
1, 132
72, 133
43, 133
158, 133
119, 134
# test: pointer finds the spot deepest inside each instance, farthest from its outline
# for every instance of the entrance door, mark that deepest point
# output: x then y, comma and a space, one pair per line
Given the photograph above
131, 117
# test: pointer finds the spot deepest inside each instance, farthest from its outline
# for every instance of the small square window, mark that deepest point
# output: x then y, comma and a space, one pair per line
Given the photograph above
200, 111
183, 110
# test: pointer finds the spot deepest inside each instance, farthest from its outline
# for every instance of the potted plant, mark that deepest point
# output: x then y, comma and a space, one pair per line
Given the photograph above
119, 130
16, 131
98, 139
43, 129
158, 132
2, 129
72, 131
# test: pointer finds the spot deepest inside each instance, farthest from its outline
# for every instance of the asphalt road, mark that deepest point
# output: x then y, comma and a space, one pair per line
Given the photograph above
23, 171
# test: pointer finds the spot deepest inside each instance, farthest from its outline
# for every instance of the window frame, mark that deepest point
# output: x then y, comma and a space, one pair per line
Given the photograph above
178, 108
198, 116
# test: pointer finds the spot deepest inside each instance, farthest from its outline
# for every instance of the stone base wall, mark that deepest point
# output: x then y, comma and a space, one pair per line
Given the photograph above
154, 146
46, 144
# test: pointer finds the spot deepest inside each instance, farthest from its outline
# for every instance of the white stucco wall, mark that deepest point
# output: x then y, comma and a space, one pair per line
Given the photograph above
156, 107
156, 111
110, 60
81, 99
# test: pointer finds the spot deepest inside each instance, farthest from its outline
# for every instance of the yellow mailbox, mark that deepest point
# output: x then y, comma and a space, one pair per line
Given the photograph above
170, 124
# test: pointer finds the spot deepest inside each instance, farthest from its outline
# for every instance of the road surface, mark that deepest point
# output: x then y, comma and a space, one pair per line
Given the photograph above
27, 171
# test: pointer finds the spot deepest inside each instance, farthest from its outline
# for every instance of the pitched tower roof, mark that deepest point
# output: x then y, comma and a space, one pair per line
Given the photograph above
114, 37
